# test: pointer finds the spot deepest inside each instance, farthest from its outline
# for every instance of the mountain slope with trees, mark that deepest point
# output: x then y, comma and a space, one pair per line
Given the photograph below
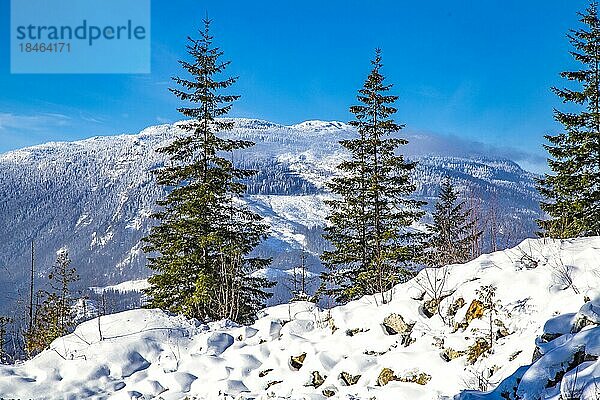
96, 196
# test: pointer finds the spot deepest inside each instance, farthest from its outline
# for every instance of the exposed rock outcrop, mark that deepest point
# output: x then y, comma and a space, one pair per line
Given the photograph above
296, 362
394, 324
455, 306
420, 378
450, 354
316, 379
349, 379
475, 311
386, 375
478, 348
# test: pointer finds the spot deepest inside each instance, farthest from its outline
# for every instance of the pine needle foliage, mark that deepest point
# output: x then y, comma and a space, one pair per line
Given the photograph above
454, 235
55, 316
201, 249
572, 189
370, 215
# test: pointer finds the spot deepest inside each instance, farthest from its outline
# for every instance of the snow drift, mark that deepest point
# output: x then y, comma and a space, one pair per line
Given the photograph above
544, 333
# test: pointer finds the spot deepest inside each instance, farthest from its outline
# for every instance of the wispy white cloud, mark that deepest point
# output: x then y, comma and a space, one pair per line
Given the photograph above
20, 130
92, 119
424, 144
32, 122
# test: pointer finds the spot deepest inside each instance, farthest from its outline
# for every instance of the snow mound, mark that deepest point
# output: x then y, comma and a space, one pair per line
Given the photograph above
565, 361
361, 350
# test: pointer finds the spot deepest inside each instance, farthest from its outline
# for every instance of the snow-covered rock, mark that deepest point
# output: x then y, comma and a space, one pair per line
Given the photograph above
299, 351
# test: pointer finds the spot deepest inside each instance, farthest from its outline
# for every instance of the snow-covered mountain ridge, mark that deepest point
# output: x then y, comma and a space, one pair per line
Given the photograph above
545, 327
95, 197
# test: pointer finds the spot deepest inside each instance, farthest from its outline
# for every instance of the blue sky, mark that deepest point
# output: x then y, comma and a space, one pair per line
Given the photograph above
477, 70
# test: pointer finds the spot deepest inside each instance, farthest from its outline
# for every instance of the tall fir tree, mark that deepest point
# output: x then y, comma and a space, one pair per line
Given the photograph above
454, 234
367, 226
572, 189
201, 248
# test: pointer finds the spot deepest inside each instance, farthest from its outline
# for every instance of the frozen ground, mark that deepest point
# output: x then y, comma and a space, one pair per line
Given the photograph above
297, 351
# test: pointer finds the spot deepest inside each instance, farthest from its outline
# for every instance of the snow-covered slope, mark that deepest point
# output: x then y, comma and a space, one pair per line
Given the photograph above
95, 197
361, 350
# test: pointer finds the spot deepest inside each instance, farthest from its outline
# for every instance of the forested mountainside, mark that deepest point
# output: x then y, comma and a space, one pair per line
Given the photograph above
96, 197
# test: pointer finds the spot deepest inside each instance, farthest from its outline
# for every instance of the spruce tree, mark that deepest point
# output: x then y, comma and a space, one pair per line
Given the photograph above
572, 189
55, 316
371, 211
61, 277
200, 250
453, 234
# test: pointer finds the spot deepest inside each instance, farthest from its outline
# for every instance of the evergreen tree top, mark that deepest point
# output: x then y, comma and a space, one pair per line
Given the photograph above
586, 43
205, 67
376, 106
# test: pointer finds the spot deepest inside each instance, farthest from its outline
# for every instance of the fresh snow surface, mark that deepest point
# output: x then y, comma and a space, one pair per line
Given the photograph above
147, 354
